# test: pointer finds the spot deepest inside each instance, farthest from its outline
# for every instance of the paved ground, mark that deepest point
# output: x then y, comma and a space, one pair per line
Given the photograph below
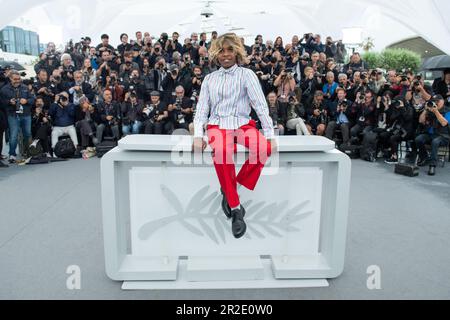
50, 218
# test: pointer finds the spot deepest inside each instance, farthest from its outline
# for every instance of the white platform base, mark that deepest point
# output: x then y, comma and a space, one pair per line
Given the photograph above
183, 284
224, 268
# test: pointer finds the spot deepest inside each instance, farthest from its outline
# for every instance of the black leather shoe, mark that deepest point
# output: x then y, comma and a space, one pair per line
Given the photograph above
432, 171
225, 207
423, 162
238, 226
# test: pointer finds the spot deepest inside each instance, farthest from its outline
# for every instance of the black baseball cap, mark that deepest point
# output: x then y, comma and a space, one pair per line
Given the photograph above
437, 97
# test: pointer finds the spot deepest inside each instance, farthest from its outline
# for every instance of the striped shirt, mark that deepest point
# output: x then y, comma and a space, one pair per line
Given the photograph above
228, 95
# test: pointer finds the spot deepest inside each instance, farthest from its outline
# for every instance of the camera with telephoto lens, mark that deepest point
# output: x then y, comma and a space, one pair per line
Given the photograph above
194, 96
396, 104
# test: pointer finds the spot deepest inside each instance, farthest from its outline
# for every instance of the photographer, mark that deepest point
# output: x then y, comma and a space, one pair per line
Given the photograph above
89, 73
149, 79
134, 85
155, 115
435, 121
317, 114
107, 65
376, 81
131, 114
109, 117
341, 52
170, 82
128, 67
104, 45
124, 46
115, 87
339, 116
86, 118
45, 89
47, 62
313, 44
277, 112
197, 80
359, 85
285, 85
41, 128
181, 109
79, 88
329, 88
293, 61
330, 48
364, 110
442, 86
398, 127
174, 44
62, 113
315, 63
310, 84
296, 115
18, 101
355, 64
67, 68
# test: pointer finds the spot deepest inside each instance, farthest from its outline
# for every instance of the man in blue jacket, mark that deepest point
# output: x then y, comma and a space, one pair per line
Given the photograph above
62, 114
17, 99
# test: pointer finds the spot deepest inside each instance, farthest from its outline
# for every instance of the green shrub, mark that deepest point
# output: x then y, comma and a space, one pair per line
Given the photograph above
397, 59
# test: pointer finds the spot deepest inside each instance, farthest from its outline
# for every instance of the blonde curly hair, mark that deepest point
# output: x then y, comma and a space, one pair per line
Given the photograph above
232, 40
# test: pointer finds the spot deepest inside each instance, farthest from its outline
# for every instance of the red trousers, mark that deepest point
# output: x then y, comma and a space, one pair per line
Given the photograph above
224, 144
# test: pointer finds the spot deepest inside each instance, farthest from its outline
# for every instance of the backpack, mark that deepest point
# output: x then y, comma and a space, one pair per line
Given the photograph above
65, 148
35, 148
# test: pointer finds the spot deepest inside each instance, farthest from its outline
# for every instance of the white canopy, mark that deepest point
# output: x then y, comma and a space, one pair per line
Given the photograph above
386, 21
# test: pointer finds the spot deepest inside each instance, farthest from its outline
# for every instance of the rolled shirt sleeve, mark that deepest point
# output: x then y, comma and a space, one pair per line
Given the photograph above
202, 112
259, 103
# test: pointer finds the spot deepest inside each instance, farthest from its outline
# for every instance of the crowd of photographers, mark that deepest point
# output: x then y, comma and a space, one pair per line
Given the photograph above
90, 92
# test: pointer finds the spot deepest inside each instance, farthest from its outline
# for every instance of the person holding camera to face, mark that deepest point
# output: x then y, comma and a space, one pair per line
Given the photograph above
115, 86
149, 78
41, 127
364, 111
132, 116
156, 115
18, 100
395, 124
181, 109
86, 119
171, 81
44, 88
109, 117
80, 88
62, 113
48, 62
135, 85
359, 83
339, 116
436, 131
317, 114
315, 62
310, 84
285, 84
104, 45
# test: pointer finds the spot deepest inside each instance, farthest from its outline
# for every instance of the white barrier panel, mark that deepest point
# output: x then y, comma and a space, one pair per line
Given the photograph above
163, 218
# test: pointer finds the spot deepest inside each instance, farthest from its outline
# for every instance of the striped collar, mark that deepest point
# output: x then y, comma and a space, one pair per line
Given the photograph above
229, 70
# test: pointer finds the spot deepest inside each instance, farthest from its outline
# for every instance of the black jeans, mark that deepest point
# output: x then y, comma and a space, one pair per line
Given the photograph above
435, 140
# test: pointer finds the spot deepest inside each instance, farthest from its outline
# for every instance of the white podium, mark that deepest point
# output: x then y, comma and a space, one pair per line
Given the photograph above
164, 227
